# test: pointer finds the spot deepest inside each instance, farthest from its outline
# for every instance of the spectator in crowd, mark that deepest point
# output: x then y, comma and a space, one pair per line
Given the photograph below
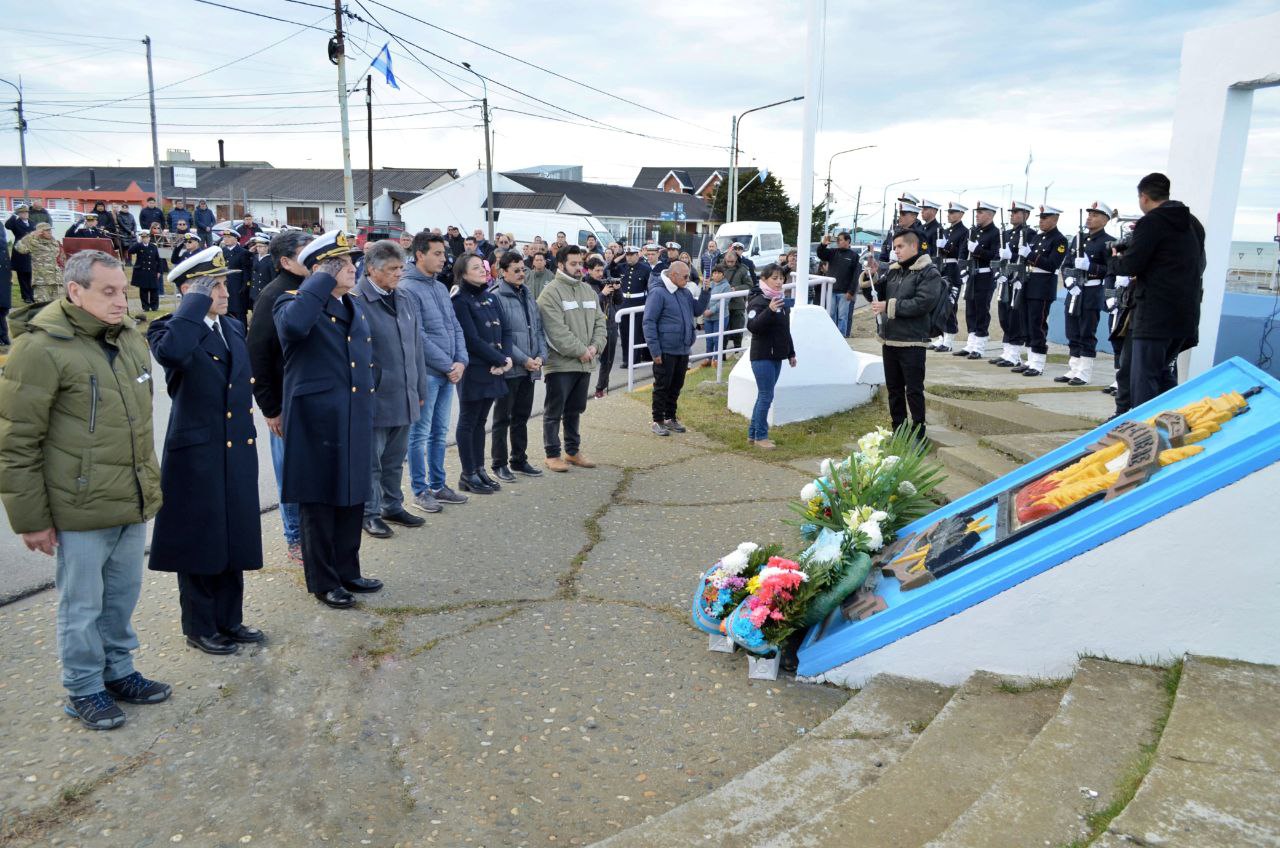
179, 213
125, 224
40, 215
78, 476
906, 296
247, 229
669, 315
842, 265
406, 242
454, 242
20, 225
6, 291
44, 250
87, 228
267, 356
539, 274
328, 429
482, 245
107, 224
528, 351
609, 293
743, 260
488, 341
240, 262
575, 329
557, 245
150, 214
184, 246
715, 308
694, 274
400, 383
208, 529
157, 233
181, 232
445, 351
739, 280
710, 258
769, 320
264, 268
204, 220
148, 272
593, 246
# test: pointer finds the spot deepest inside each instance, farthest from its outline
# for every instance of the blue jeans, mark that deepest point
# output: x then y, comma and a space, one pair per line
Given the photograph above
99, 578
767, 372
288, 511
428, 436
839, 307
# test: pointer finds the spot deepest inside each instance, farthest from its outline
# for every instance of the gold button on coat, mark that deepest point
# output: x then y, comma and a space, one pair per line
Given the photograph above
228, 444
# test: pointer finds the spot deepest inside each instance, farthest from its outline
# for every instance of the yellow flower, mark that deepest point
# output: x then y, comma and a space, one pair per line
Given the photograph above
753, 585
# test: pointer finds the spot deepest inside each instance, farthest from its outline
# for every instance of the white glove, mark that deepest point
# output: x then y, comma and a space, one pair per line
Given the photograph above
1121, 282
973, 245
1006, 254
1024, 250
1075, 291
1082, 263
942, 245
964, 278
1002, 279
1111, 303
1017, 285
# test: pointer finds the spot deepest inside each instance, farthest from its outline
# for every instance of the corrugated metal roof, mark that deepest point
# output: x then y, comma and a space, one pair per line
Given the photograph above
524, 200
613, 201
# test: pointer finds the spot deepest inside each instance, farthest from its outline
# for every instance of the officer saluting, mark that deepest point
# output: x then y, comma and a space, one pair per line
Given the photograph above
328, 417
208, 530
88, 228
1015, 247
1086, 297
1040, 289
984, 248
953, 251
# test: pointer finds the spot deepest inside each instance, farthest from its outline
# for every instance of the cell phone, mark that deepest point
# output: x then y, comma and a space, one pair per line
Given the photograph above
789, 302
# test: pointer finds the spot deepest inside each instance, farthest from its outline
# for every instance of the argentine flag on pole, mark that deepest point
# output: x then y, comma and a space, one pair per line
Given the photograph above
382, 62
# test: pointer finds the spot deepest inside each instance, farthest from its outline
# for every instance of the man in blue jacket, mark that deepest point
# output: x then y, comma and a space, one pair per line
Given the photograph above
180, 212
205, 219
445, 350
669, 314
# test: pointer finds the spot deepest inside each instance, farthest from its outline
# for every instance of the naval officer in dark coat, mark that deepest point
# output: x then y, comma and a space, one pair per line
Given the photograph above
328, 416
208, 530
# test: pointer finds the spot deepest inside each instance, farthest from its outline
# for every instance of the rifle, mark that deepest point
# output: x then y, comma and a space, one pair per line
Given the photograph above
1019, 267
1075, 302
1006, 284
969, 260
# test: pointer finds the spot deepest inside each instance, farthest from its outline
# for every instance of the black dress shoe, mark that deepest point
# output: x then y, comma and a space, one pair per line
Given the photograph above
996, 361
489, 481
1004, 363
248, 635
1030, 372
337, 598
975, 355
1109, 390
404, 519
1061, 378
472, 483
960, 352
1019, 368
526, 469
362, 584
377, 528
215, 644
504, 474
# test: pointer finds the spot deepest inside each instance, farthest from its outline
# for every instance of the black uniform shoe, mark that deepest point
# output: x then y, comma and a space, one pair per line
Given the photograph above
404, 519
472, 483
1004, 363
337, 598
975, 355
526, 469
489, 481
1019, 368
215, 644
363, 584
961, 352
243, 633
377, 528
1109, 390
1061, 378
1076, 381
504, 474
996, 361
1030, 372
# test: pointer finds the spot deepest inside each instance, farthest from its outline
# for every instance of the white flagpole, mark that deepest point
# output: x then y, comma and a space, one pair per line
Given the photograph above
812, 72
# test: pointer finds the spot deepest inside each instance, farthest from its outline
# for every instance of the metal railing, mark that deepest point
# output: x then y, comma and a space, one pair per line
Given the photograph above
721, 335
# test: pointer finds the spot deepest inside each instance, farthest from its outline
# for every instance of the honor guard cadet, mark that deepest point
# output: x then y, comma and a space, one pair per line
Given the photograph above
328, 417
633, 276
240, 263
907, 218
932, 225
984, 249
1086, 283
1119, 303
953, 251
1015, 245
1040, 289
208, 530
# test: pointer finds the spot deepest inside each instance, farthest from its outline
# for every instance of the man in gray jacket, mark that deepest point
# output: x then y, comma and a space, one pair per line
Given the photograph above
445, 354
528, 350
399, 380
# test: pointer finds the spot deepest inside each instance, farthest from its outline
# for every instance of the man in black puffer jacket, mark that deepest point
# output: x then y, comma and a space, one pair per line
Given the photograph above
905, 297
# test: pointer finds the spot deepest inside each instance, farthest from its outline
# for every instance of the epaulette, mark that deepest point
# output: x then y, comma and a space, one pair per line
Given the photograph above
292, 291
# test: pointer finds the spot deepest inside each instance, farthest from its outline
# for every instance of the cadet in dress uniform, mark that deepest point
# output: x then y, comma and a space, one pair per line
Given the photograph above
264, 269
328, 416
240, 262
953, 253
633, 274
932, 225
208, 530
908, 219
984, 248
148, 272
1086, 293
1040, 289
1015, 246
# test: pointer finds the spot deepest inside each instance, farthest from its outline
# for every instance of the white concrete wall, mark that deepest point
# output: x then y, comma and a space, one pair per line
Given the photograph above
1202, 579
459, 202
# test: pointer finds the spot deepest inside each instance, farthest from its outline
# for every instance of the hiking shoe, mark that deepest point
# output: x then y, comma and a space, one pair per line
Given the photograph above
96, 712
426, 502
295, 553
659, 429
764, 444
556, 464
136, 689
579, 460
446, 495
674, 425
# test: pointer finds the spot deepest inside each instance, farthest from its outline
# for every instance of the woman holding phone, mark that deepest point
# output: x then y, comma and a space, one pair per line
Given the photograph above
769, 321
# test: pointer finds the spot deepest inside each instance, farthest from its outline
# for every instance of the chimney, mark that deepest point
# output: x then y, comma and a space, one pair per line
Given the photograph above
93, 180
222, 159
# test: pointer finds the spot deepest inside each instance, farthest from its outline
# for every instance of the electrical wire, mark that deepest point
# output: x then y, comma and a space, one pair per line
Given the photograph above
262, 15
267, 124
260, 132
608, 129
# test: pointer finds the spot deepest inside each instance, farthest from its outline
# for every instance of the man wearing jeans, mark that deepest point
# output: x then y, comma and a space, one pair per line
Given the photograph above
445, 352
842, 264
266, 358
79, 477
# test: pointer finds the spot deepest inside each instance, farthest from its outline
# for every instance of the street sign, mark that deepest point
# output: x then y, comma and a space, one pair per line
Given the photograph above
184, 177
666, 216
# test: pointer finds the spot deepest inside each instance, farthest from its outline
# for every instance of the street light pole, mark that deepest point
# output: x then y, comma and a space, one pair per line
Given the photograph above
340, 59
733, 167
826, 224
488, 154
22, 138
884, 195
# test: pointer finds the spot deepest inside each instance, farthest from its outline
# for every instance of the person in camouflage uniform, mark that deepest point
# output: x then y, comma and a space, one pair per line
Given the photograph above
46, 276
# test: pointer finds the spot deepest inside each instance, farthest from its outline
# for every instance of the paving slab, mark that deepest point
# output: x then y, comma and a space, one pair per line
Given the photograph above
1091, 406
639, 449
1027, 447
717, 479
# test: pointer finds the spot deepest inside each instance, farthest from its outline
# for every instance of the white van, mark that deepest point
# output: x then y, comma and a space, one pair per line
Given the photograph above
763, 239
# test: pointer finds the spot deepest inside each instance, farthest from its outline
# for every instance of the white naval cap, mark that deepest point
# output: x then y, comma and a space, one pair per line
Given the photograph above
908, 197
331, 244
209, 262
929, 204
261, 239
904, 206
984, 206
955, 206
1099, 206
653, 245
1021, 206
1046, 211
631, 248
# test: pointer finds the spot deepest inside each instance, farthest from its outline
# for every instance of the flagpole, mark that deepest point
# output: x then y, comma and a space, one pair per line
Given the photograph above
1026, 173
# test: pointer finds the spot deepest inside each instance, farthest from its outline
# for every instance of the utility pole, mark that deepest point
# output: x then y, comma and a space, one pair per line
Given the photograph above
339, 59
732, 198
155, 139
22, 138
826, 224
857, 208
368, 118
488, 153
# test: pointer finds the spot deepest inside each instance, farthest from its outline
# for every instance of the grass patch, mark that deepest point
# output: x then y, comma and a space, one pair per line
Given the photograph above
1036, 684
702, 407
970, 392
917, 726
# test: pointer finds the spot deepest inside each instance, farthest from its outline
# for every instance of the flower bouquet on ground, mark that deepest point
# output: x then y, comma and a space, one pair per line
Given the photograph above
724, 585
775, 607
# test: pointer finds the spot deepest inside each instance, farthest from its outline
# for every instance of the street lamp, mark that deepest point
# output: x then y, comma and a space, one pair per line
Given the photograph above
731, 202
884, 195
488, 159
826, 224
22, 137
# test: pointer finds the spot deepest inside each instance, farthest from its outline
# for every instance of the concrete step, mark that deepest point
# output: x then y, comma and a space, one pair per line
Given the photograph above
852, 748
1216, 775
945, 437
970, 743
1105, 718
985, 417
956, 486
1025, 447
976, 462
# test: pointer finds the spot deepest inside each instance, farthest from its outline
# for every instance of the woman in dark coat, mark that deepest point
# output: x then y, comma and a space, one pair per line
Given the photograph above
769, 320
148, 272
208, 530
489, 346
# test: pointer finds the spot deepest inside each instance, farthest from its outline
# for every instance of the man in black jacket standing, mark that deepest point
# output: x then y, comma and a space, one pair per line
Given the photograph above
240, 261
842, 263
1165, 261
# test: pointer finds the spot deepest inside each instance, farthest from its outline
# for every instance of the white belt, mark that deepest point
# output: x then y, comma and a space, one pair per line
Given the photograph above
950, 261
632, 296
984, 270
1092, 284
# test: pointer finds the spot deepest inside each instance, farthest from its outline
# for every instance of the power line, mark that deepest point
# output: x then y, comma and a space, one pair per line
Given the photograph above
268, 124
67, 34
261, 132
261, 15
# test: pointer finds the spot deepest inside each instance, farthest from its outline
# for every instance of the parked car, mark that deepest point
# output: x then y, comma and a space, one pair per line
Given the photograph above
366, 234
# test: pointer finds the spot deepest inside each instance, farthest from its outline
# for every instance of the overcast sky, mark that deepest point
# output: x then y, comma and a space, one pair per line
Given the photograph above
955, 95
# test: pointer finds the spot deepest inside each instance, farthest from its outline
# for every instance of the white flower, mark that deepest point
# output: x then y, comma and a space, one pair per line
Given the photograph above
869, 442
772, 571
906, 489
889, 462
825, 467
748, 548
879, 515
871, 530
734, 563
809, 492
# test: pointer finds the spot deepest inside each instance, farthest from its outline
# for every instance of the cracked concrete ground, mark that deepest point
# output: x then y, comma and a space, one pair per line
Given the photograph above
528, 677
